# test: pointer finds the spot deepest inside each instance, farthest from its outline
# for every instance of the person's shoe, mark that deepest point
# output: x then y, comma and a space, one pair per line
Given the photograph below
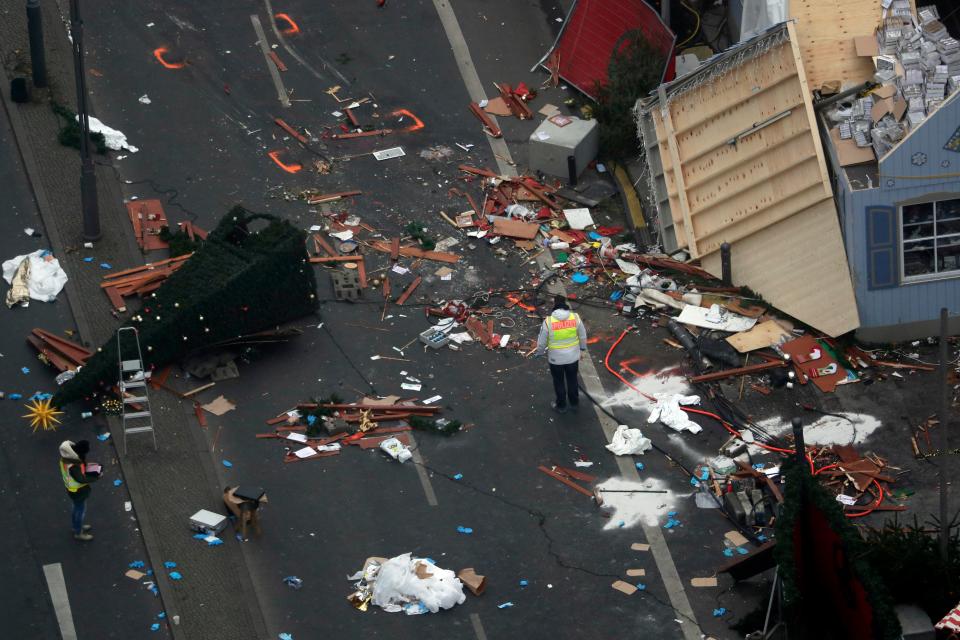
83, 536
87, 527
553, 405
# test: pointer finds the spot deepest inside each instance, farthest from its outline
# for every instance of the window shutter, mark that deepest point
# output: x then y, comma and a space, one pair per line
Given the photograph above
882, 248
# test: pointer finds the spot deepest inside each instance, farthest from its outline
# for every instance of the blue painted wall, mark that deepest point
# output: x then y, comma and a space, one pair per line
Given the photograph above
916, 301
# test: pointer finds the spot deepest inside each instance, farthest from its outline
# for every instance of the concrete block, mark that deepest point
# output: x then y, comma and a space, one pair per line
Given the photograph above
914, 622
550, 145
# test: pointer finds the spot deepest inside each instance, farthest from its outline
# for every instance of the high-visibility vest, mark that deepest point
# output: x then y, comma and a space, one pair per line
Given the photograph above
72, 485
563, 333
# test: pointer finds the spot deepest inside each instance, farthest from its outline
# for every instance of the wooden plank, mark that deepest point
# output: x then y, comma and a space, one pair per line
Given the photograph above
409, 290
331, 197
116, 299
76, 352
569, 483
362, 272
302, 139
677, 173
321, 241
515, 228
147, 267
394, 249
739, 371
316, 260
414, 252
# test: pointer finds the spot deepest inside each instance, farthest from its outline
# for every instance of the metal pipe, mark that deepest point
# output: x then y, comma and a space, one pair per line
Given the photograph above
88, 178
38, 61
826, 102
944, 416
726, 267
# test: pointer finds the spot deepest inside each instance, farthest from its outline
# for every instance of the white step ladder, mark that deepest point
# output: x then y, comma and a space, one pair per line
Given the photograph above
133, 389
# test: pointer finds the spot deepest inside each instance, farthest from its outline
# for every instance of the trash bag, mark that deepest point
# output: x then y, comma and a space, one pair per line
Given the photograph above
629, 442
44, 279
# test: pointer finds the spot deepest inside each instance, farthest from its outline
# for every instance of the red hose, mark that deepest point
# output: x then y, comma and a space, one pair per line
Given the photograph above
729, 427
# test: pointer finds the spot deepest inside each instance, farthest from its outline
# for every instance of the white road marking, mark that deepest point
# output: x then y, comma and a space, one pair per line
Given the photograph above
61, 603
296, 54
468, 72
422, 472
658, 545
271, 67
591, 381
477, 626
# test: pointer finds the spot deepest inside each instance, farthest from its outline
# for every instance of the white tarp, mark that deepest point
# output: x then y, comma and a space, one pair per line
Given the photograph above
716, 317
114, 139
628, 442
759, 15
46, 277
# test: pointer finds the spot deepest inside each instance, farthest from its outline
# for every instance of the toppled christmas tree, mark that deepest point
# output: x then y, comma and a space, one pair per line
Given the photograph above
250, 274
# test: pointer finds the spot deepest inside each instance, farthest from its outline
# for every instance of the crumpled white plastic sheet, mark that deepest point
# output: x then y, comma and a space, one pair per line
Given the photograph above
629, 442
668, 411
114, 139
46, 277
398, 587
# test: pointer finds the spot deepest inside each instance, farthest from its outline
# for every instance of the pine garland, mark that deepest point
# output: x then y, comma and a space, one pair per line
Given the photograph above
441, 425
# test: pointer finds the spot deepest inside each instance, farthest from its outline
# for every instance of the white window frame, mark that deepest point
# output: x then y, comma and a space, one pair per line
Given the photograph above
924, 277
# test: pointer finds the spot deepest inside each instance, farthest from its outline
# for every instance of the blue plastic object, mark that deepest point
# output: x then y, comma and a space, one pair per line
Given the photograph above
580, 277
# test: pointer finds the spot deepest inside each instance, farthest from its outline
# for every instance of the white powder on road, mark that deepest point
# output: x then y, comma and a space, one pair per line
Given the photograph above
829, 429
635, 508
664, 381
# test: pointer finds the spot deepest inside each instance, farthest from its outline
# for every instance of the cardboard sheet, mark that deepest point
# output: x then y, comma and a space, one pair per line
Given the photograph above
624, 587
848, 153
703, 582
515, 228
762, 335
497, 107
885, 91
219, 406
636, 573
736, 538
640, 546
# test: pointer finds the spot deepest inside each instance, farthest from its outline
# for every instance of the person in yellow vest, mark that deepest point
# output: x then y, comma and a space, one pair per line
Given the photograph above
77, 479
563, 338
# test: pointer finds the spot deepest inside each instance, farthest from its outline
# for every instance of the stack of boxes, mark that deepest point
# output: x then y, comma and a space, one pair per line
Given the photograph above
920, 59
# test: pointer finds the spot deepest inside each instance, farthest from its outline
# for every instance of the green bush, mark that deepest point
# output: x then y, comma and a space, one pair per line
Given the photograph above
238, 282
69, 135
908, 560
635, 69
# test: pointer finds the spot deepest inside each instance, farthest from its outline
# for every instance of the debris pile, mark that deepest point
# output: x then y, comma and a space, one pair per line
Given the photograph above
405, 583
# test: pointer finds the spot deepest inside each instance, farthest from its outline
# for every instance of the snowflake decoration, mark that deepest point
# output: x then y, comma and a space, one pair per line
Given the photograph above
918, 159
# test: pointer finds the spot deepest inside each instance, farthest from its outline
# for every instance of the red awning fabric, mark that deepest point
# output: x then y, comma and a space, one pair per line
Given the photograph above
594, 28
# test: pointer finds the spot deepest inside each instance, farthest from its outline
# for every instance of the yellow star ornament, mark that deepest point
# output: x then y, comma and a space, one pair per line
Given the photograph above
42, 414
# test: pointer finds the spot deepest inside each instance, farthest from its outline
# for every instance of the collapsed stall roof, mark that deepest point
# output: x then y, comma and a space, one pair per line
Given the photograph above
742, 132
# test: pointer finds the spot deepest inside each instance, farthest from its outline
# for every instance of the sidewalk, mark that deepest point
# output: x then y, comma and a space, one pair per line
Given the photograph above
214, 599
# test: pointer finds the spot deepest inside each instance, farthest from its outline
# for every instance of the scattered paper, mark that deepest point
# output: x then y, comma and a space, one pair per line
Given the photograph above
326, 448
219, 406
847, 500
128, 506
432, 400
400, 270
343, 236
409, 386
578, 219
387, 154
296, 437
549, 110
144, 99
460, 338
306, 452
444, 273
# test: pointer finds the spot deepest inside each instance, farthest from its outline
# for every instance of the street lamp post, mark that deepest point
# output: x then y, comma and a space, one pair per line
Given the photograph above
35, 31
88, 177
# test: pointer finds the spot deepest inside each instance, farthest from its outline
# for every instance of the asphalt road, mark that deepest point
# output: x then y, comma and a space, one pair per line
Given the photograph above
204, 139
36, 508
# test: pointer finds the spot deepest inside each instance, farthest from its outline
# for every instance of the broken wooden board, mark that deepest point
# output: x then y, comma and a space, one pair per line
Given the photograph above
765, 334
800, 350
414, 252
515, 228
703, 582
148, 220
